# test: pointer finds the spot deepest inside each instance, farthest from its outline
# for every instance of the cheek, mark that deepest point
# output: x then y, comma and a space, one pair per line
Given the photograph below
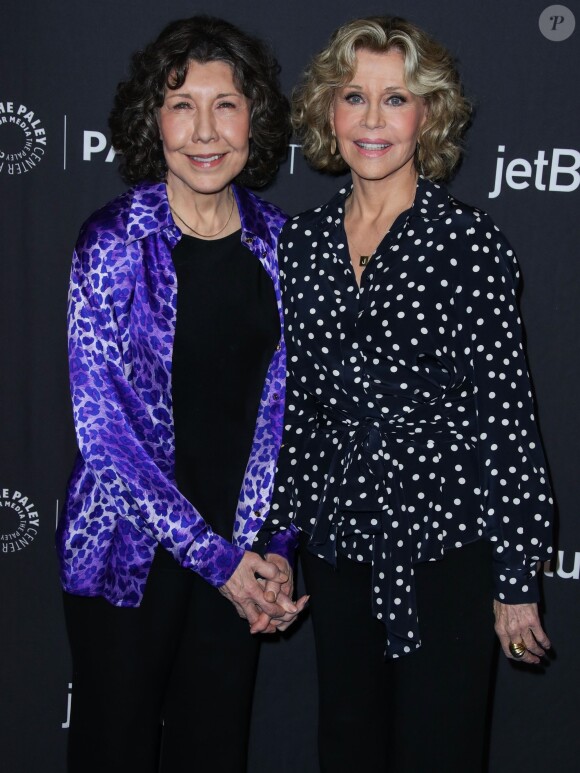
238, 134
411, 126
339, 121
172, 131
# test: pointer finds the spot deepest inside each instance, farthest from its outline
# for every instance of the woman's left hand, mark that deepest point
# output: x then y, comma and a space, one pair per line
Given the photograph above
515, 623
276, 593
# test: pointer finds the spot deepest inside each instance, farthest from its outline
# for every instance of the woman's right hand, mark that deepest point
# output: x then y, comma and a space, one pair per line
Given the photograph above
248, 595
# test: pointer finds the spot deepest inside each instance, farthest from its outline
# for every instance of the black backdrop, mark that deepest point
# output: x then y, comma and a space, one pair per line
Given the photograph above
60, 63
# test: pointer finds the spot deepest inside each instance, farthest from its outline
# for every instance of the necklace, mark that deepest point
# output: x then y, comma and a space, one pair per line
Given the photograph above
364, 260
197, 233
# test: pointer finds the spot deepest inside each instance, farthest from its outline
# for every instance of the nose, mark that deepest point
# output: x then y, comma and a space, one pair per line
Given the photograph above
204, 126
373, 117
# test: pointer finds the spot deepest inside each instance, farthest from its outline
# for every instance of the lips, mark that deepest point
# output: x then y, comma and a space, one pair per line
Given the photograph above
206, 161
367, 145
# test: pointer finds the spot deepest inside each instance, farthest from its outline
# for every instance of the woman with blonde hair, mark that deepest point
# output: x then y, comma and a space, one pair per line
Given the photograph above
411, 462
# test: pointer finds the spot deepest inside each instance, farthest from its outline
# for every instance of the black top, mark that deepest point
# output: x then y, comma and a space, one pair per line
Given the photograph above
409, 424
226, 333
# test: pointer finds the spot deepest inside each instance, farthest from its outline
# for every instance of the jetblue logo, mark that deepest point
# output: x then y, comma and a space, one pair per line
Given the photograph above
555, 170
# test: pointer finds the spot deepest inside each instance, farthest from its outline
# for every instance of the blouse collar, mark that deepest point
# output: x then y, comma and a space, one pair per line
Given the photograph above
149, 213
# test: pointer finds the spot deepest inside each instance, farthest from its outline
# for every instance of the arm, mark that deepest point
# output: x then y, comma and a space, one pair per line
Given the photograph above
517, 499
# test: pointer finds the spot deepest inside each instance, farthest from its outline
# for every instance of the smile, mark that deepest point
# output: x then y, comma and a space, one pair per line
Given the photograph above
373, 145
206, 162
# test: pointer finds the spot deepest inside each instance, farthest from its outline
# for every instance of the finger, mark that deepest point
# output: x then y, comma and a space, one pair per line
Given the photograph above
251, 612
276, 608
285, 624
269, 570
271, 590
528, 656
284, 567
253, 594
262, 624
531, 644
286, 621
540, 636
273, 609
287, 604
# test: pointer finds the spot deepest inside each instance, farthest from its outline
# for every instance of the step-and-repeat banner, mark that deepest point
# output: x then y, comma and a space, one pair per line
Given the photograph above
60, 63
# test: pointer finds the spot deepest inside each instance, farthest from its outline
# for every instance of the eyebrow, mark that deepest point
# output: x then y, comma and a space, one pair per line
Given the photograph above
387, 88
172, 93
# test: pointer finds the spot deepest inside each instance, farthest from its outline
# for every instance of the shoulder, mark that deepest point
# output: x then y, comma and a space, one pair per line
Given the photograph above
475, 241
447, 213
315, 220
259, 216
139, 211
107, 236
107, 224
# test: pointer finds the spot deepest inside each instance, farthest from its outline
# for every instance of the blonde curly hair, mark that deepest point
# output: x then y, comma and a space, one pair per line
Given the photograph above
430, 73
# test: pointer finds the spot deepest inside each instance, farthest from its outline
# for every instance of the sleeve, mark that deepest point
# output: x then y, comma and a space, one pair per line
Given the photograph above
517, 501
122, 433
299, 413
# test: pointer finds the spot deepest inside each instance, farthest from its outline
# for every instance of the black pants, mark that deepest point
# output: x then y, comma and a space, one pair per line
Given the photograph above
422, 713
183, 658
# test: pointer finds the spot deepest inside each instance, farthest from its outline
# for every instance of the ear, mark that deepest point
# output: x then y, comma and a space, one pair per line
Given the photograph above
331, 116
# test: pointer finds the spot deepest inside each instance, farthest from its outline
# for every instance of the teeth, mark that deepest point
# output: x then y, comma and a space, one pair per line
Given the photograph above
373, 145
206, 159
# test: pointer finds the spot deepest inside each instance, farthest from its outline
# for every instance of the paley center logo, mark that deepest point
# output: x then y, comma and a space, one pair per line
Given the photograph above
19, 522
22, 139
555, 170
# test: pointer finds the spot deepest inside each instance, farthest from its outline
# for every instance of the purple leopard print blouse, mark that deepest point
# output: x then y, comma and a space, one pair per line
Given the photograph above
122, 499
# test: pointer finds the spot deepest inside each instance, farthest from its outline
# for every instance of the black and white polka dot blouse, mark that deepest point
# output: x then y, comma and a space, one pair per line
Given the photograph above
409, 426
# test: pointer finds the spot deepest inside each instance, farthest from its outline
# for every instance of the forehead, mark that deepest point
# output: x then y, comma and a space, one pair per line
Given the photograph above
384, 66
217, 75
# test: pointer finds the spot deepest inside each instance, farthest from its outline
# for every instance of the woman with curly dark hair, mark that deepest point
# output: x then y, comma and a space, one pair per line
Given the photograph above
411, 461
177, 370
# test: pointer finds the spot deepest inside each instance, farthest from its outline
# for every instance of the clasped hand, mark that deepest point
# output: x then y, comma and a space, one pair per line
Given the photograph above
261, 591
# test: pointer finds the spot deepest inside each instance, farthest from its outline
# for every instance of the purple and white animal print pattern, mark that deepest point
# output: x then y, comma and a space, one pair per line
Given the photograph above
122, 499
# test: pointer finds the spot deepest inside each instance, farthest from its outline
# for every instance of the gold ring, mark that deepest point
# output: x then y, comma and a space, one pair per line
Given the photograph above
518, 650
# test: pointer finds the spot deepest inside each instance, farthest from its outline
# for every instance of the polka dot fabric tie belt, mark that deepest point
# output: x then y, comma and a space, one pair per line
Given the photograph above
364, 495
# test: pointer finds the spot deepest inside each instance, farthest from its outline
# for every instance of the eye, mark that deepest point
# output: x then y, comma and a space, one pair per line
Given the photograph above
180, 106
396, 100
227, 105
353, 98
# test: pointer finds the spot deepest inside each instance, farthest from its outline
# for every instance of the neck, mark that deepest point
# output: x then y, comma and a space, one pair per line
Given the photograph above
378, 200
202, 212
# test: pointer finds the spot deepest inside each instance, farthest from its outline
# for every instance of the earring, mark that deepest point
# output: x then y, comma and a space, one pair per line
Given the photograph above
333, 146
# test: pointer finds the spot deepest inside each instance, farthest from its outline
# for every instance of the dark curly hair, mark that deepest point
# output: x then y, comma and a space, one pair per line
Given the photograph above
164, 63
